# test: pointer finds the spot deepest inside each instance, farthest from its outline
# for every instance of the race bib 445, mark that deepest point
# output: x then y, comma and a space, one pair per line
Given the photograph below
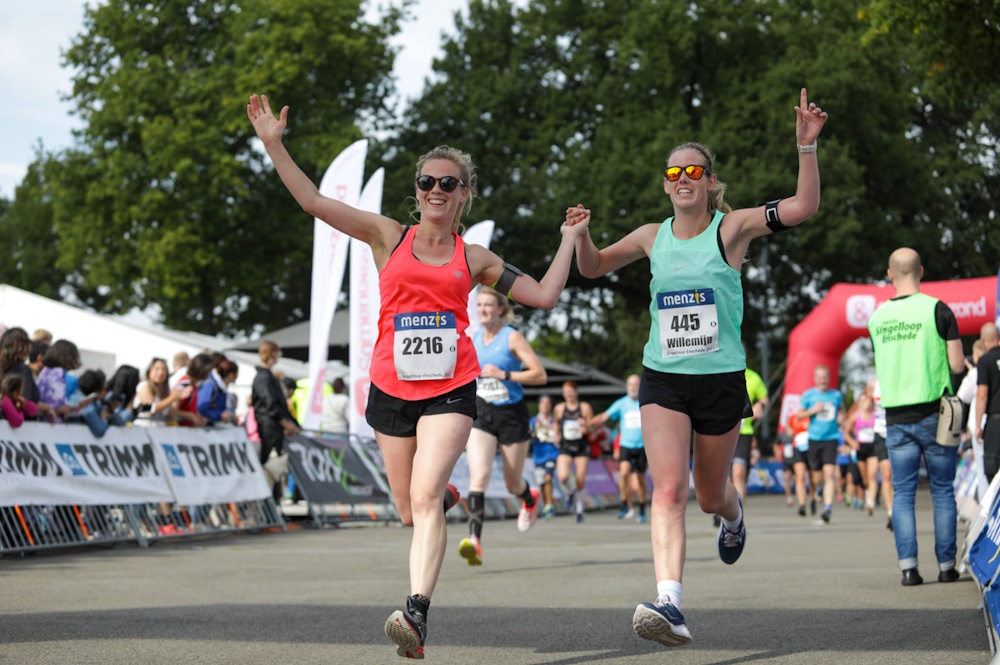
689, 324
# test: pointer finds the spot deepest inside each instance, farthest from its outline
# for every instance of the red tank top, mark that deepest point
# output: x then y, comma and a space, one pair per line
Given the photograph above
422, 350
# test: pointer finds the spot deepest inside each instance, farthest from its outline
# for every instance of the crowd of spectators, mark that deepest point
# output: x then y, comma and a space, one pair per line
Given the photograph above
42, 379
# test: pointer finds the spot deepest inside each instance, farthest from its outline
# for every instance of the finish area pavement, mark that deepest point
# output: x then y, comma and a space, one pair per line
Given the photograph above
561, 594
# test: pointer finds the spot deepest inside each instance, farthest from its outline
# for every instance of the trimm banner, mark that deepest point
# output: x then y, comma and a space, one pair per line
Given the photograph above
43, 464
209, 465
331, 471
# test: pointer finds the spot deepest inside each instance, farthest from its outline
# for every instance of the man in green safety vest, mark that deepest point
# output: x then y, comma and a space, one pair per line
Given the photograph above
917, 345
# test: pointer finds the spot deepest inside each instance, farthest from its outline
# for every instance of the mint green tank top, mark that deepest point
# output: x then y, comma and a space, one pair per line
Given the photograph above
696, 305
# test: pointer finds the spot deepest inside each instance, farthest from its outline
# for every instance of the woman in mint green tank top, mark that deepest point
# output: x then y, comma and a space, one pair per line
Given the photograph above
693, 363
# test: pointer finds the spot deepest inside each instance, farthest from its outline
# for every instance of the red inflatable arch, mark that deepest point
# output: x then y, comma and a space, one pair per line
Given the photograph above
842, 317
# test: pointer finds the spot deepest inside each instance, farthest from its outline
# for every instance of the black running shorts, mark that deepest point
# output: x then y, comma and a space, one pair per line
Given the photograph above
507, 422
743, 447
821, 453
880, 449
716, 403
636, 457
398, 417
575, 447
866, 450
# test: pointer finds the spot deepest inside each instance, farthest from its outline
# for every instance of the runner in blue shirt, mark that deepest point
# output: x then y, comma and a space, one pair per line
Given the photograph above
632, 455
544, 452
825, 409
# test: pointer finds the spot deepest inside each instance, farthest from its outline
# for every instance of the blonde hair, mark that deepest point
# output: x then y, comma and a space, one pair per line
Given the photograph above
716, 196
467, 172
507, 316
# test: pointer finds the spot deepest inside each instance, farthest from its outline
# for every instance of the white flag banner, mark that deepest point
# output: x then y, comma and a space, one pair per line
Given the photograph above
342, 182
477, 234
365, 302
215, 465
44, 464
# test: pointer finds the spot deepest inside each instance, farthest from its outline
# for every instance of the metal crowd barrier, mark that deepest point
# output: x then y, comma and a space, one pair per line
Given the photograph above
26, 529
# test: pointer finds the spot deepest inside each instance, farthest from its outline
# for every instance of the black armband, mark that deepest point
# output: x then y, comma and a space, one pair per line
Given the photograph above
771, 217
506, 281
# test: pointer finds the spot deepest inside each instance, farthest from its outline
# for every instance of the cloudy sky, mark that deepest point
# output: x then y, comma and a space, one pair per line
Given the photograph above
33, 34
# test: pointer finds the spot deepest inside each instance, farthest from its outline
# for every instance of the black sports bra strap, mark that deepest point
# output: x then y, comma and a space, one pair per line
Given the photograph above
406, 229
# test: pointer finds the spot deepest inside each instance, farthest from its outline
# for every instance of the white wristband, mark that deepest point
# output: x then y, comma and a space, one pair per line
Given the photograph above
807, 148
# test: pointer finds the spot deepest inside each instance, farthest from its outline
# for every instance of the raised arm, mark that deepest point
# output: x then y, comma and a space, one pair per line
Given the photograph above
487, 268
750, 223
381, 233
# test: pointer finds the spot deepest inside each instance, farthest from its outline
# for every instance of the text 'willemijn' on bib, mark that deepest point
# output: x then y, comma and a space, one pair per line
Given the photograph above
425, 345
689, 324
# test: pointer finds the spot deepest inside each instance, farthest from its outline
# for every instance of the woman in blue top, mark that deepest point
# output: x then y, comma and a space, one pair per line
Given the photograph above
693, 364
507, 362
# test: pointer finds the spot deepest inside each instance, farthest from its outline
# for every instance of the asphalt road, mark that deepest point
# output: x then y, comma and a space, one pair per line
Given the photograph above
561, 594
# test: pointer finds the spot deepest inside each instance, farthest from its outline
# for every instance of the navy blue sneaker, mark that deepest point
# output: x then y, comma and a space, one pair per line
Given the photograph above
661, 622
731, 542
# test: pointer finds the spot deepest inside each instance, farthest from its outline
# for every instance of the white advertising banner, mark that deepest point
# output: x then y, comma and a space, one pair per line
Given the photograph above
365, 302
209, 465
43, 464
477, 234
342, 182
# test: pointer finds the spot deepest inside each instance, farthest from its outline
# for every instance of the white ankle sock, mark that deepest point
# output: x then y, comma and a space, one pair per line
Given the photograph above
670, 589
733, 526
580, 494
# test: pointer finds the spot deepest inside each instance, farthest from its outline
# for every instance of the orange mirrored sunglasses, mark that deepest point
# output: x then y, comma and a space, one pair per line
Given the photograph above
694, 171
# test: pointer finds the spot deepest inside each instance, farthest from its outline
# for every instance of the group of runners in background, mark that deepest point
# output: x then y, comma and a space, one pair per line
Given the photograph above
836, 454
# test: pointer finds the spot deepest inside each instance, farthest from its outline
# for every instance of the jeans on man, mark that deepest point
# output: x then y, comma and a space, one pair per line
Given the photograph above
906, 443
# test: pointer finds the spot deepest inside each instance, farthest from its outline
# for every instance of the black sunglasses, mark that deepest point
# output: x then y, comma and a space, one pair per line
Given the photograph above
694, 171
448, 183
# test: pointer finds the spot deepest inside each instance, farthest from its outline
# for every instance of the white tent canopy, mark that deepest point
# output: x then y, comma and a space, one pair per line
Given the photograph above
107, 342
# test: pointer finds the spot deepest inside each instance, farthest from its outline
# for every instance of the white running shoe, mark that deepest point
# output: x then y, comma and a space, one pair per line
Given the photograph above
630, 514
528, 516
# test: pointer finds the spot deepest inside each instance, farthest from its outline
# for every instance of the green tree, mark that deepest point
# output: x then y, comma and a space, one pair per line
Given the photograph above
30, 240
571, 101
958, 39
166, 198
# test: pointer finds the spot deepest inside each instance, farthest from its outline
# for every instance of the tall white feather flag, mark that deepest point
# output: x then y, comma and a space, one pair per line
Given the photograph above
342, 181
365, 302
477, 234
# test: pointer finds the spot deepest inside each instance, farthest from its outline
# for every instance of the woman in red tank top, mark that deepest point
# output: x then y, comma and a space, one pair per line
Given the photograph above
423, 372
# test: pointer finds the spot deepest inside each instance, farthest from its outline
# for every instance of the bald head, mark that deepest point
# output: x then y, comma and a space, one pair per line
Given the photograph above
905, 270
905, 262
989, 335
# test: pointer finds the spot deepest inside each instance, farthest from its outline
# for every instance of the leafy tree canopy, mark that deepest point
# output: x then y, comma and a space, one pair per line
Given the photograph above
572, 101
166, 198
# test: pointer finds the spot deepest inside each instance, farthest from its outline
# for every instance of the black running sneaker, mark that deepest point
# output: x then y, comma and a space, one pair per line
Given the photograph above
408, 628
731, 542
802, 511
661, 622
